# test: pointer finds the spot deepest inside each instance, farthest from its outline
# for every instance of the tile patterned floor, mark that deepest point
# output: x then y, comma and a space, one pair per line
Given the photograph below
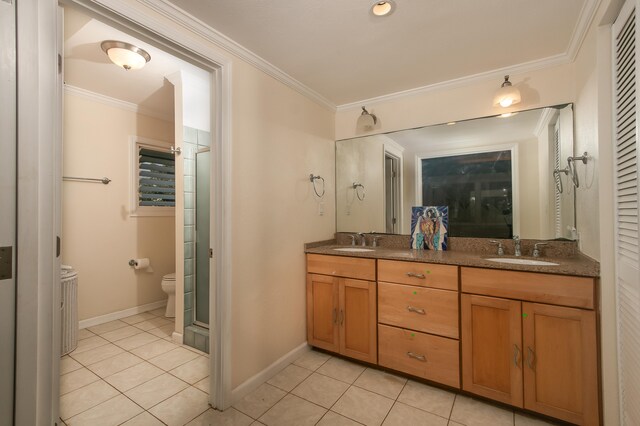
129, 372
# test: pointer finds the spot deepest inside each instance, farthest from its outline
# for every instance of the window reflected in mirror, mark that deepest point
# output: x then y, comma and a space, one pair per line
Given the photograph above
477, 188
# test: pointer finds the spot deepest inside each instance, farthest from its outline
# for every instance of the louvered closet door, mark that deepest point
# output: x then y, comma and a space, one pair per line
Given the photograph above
626, 207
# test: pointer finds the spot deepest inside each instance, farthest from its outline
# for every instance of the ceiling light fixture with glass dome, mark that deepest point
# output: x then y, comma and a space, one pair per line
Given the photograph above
125, 55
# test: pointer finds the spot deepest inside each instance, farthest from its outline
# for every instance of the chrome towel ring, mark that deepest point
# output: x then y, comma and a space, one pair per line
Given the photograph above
359, 194
313, 179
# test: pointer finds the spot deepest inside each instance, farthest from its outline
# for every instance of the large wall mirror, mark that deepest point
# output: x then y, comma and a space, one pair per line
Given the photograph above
500, 176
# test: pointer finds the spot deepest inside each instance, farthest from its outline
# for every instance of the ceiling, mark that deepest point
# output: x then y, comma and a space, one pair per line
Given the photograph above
88, 68
340, 50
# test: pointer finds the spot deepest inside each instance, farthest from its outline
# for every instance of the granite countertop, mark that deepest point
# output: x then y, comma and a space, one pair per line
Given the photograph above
572, 264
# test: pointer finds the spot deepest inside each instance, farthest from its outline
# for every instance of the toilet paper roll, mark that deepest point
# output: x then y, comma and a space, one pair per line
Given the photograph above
143, 263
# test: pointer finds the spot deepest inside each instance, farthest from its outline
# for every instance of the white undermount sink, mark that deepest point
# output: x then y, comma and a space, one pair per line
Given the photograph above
353, 249
513, 261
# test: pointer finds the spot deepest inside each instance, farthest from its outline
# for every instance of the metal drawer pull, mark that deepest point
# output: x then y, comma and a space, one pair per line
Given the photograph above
416, 310
531, 359
341, 316
516, 354
416, 356
414, 275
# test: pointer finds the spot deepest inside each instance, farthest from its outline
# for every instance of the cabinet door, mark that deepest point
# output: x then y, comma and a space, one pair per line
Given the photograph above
492, 348
560, 374
322, 312
357, 319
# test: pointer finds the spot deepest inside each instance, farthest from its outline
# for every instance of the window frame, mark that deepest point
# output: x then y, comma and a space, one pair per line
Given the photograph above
136, 210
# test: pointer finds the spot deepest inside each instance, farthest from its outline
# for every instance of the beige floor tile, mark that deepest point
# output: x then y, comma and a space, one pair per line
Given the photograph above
68, 364
402, 415
192, 371
156, 390
228, 417
97, 354
257, 423
198, 351
107, 326
335, 419
172, 359
154, 349
204, 385
121, 333
84, 398
136, 341
452, 423
83, 333
342, 370
259, 401
109, 413
380, 382
293, 411
182, 407
115, 364
76, 379
143, 419
133, 376
159, 312
427, 398
527, 420
312, 360
164, 331
89, 344
472, 412
289, 378
363, 406
152, 323
133, 319
321, 390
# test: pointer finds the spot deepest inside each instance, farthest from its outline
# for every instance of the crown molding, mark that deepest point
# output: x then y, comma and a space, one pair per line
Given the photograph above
587, 14
543, 121
116, 103
190, 22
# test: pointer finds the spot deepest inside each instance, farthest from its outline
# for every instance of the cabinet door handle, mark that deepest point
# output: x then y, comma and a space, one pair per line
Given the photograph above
531, 359
341, 316
416, 310
516, 354
335, 316
416, 356
415, 275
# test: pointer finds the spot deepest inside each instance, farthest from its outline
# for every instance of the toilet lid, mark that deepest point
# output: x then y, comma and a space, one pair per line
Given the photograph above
169, 277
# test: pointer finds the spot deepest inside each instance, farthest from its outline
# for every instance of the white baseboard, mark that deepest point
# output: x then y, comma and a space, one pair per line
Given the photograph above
177, 337
254, 382
90, 322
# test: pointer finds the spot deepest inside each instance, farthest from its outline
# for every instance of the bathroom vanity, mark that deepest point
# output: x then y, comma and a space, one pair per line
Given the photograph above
523, 335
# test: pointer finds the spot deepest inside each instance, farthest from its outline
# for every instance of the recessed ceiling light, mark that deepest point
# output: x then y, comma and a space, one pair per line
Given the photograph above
382, 8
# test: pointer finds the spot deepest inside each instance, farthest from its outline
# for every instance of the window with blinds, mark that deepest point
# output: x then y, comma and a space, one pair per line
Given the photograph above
152, 178
156, 178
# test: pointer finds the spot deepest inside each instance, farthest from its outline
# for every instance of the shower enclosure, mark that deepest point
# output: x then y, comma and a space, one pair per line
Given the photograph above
201, 311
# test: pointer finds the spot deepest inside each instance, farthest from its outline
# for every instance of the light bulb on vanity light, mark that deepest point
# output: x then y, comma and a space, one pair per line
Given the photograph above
507, 95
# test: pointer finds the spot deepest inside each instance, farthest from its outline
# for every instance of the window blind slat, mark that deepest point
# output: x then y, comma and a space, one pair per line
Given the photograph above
156, 178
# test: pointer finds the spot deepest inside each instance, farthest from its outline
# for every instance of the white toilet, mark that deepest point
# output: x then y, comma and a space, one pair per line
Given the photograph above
169, 287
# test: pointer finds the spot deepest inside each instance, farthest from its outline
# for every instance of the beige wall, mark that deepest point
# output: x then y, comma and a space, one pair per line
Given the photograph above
279, 138
98, 235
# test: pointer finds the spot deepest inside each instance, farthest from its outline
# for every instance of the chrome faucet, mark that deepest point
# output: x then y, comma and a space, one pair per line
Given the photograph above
363, 241
536, 249
353, 239
516, 243
375, 238
500, 247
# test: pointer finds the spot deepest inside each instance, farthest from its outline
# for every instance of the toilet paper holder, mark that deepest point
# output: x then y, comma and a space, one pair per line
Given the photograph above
132, 262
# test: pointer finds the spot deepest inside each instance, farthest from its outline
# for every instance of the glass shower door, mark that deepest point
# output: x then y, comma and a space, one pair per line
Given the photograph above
203, 160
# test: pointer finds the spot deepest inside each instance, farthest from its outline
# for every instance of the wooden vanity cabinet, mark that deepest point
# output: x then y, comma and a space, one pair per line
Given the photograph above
341, 311
538, 356
418, 320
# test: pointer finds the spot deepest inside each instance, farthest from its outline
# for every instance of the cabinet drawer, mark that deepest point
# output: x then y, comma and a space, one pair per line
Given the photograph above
419, 354
421, 274
340, 266
564, 290
421, 309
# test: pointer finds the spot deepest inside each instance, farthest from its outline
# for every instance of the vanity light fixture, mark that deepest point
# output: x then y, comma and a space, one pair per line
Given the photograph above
382, 8
125, 55
367, 119
507, 95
